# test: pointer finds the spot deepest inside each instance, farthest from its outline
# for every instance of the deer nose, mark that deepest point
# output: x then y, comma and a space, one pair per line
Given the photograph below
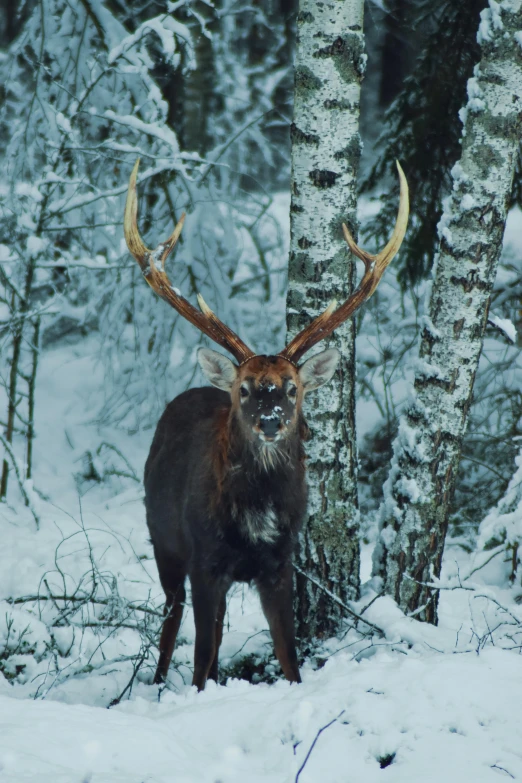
269, 425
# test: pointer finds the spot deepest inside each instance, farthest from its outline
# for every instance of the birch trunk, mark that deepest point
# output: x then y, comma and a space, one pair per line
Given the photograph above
427, 449
325, 155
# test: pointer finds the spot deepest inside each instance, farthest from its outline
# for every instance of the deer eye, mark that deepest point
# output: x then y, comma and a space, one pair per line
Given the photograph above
292, 391
244, 392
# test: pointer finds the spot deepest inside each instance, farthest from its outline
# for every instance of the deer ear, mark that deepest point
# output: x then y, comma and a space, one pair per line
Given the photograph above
219, 370
319, 369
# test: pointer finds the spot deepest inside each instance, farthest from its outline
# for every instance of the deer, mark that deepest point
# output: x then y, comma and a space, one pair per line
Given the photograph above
225, 483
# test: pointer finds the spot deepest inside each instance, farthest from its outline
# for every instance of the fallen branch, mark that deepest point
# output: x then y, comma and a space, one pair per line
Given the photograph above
87, 599
339, 602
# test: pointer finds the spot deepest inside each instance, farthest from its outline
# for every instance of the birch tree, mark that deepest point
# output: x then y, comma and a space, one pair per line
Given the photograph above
329, 66
427, 449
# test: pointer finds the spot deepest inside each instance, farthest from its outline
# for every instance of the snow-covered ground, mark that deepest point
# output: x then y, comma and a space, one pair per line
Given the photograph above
436, 717
420, 703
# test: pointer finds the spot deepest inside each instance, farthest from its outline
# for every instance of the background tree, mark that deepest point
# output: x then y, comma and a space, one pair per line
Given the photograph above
427, 449
422, 124
422, 129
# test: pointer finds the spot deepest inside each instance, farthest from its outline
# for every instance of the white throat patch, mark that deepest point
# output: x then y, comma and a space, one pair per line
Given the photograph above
259, 526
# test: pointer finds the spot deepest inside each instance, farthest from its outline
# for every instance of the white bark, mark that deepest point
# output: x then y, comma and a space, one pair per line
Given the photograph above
325, 156
427, 449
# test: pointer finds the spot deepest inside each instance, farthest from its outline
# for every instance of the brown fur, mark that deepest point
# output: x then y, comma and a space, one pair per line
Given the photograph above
220, 454
225, 505
267, 369
262, 371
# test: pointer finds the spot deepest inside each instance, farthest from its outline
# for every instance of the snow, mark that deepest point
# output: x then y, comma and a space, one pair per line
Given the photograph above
467, 202
424, 369
504, 523
409, 488
29, 190
458, 175
63, 122
5, 254
505, 325
463, 116
446, 233
388, 536
426, 323
160, 131
475, 96
443, 229
166, 28
269, 416
434, 703
439, 718
490, 17
36, 245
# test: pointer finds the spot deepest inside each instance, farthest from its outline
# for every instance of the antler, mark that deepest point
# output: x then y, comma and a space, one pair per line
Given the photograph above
330, 319
152, 264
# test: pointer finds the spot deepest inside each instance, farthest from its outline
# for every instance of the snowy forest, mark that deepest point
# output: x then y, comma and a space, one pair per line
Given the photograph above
270, 123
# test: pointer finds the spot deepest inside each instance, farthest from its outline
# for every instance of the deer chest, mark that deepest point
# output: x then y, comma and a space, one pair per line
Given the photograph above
257, 525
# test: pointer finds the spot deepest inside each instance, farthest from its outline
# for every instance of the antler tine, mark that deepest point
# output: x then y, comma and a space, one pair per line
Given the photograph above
152, 264
139, 250
328, 321
130, 222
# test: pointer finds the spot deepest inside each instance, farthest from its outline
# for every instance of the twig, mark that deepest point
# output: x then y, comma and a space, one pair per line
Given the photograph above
500, 606
435, 586
136, 667
498, 551
23, 491
26, 599
31, 382
339, 602
62, 677
312, 746
496, 766
375, 597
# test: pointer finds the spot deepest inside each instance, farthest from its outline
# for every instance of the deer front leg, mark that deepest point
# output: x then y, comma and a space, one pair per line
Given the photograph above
213, 673
277, 603
208, 599
172, 578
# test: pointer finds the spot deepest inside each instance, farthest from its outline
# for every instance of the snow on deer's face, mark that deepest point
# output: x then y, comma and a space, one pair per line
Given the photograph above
267, 398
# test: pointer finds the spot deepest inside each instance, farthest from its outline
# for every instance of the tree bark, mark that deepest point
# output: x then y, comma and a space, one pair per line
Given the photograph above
427, 449
326, 148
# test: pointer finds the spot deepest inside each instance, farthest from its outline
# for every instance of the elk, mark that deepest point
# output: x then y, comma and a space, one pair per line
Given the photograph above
225, 490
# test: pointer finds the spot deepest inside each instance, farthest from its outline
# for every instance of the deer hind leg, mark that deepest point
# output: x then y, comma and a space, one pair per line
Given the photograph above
277, 603
213, 673
173, 582
208, 597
